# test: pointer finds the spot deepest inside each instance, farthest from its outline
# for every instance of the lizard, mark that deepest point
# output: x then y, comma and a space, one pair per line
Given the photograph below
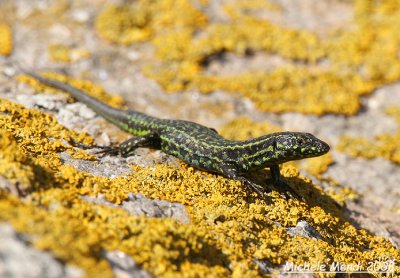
201, 146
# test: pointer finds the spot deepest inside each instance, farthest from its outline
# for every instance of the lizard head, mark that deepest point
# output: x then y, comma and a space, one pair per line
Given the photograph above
298, 145
277, 148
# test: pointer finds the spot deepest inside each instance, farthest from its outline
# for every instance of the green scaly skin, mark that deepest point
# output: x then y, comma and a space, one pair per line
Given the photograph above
201, 146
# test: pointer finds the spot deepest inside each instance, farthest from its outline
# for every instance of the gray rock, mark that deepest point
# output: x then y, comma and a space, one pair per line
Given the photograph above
19, 259
124, 266
140, 205
137, 205
303, 229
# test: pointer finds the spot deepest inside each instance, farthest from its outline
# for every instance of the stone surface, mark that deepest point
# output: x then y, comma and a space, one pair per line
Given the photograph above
137, 205
123, 265
18, 259
303, 229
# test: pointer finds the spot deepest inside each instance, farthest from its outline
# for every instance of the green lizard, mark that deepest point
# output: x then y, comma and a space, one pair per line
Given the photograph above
201, 146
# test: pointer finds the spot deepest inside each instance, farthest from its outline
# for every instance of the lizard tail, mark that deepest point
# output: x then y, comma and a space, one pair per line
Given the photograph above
111, 114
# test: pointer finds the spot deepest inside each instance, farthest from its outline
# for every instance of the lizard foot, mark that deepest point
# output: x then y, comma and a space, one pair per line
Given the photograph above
254, 187
104, 150
81, 145
107, 150
288, 191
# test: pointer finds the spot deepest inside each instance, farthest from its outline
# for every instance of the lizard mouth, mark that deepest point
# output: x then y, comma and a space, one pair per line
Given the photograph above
324, 148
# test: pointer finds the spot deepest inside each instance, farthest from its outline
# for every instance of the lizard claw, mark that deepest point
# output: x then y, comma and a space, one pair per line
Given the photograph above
254, 187
288, 191
80, 145
104, 150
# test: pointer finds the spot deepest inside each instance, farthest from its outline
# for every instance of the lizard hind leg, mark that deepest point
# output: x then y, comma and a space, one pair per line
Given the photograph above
150, 140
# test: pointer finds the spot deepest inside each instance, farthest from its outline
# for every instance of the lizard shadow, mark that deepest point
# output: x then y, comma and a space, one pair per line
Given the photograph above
313, 198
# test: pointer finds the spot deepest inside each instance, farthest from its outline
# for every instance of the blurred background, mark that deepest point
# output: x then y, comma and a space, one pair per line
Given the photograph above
243, 67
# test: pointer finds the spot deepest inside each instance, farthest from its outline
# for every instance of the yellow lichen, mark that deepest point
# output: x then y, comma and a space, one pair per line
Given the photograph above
383, 145
15, 165
77, 232
281, 90
316, 166
359, 59
23, 133
63, 53
127, 24
167, 15
6, 40
123, 25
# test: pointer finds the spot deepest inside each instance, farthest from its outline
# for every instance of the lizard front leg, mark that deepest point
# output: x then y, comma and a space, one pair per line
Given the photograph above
150, 140
230, 172
279, 182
